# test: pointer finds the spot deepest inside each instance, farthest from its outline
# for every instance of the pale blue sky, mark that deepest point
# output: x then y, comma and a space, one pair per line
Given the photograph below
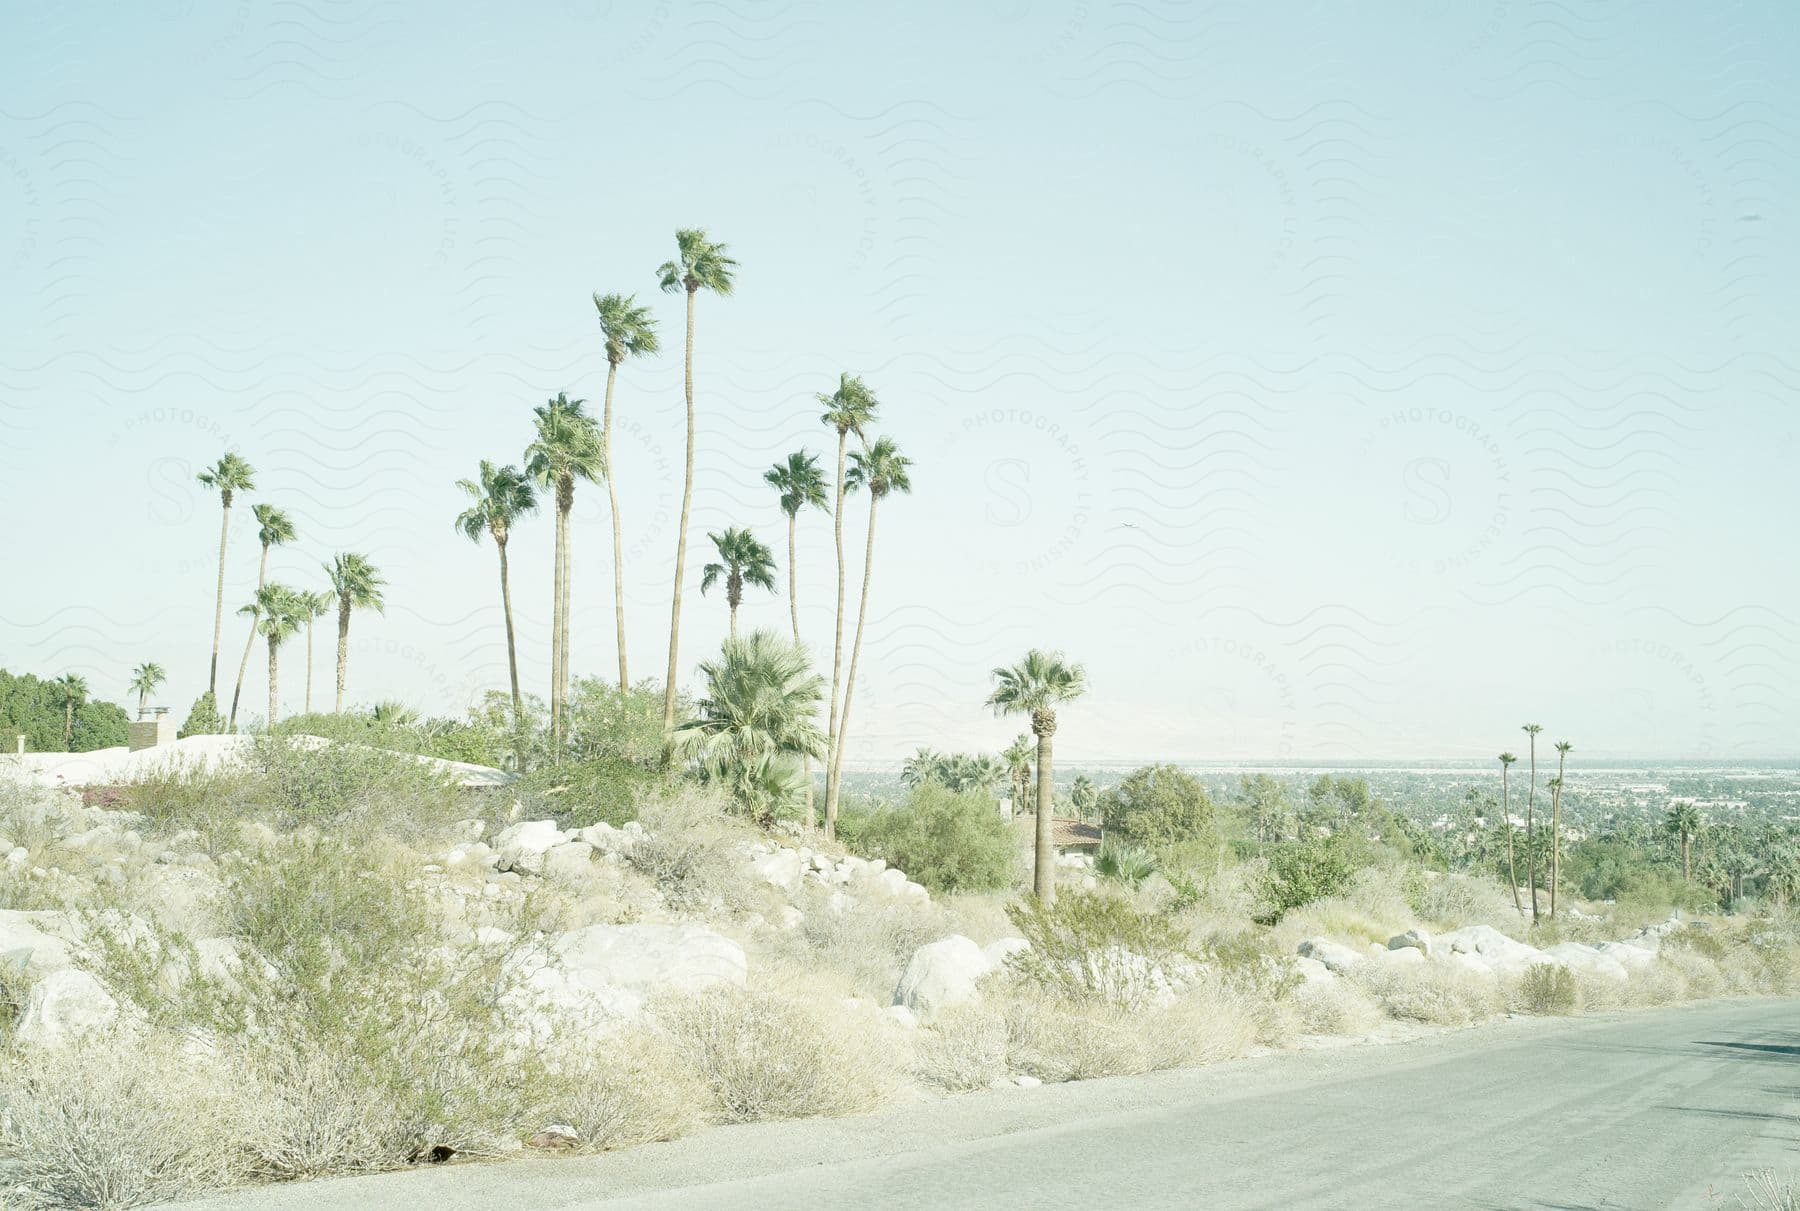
1333, 381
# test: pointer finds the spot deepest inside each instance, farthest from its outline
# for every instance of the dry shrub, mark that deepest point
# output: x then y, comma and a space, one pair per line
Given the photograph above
1335, 1006
636, 1089
693, 853
964, 1049
313, 1117
1763, 1191
1596, 993
84, 1129
1057, 1038
1700, 976
1453, 901
867, 940
1657, 983
1433, 993
1544, 988
1372, 908
766, 1056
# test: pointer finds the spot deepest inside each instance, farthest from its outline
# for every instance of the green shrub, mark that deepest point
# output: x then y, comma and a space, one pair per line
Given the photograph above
1096, 946
1312, 869
602, 790
1548, 988
606, 724
1124, 863
1159, 805
203, 718
946, 841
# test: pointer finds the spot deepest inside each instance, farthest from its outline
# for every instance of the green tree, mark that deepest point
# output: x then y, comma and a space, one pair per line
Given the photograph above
699, 264
1563, 749
743, 560
1266, 804
1683, 823
850, 409
144, 680
629, 331
317, 605
1084, 795
756, 722
274, 530
498, 499
74, 691
801, 483
229, 476
1532, 730
1159, 806
1512, 870
924, 766
1017, 756
278, 613
882, 470
567, 448
356, 584
1035, 687
946, 839
203, 718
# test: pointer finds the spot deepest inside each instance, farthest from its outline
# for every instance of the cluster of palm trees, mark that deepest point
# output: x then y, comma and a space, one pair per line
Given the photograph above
958, 772
1555, 785
277, 611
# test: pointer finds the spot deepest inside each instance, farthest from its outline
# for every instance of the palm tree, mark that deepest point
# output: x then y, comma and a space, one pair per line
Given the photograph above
699, 265
745, 561
883, 470
922, 767
276, 612
1083, 795
357, 585
629, 330
1035, 686
144, 680
1512, 871
1683, 824
1531, 730
800, 483
230, 475
497, 499
849, 409
568, 447
756, 721
1017, 756
274, 530
316, 605
75, 692
1563, 749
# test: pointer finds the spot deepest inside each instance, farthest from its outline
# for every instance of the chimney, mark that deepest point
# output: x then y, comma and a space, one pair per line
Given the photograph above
149, 733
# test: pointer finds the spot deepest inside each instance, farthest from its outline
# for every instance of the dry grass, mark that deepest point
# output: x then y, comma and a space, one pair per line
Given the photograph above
1433, 993
637, 1089
694, 853
1335, 1007
963, 1050
1055, 1038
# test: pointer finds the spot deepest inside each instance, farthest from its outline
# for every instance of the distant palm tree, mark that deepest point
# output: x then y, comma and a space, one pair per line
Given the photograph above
1532, 730
275, 529
277, 612
229, 476
1017, 756
498, 498
1684, 824
744, 560
316, 605
1563, 749
1035, 687
849, 409
883, 470
630, 330
1083, 795
801, 483
568, 447
356, 584
1512, 871
393, 714
756, 721
75, 691
144, 680
922, 767
699, 264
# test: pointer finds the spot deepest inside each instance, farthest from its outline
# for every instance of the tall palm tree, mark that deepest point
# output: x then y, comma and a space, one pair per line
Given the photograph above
568, 447
1531, 730
316, 605
755, 721
356, 584
229, 476
883, 470
274, 530
1563, 749
1512, 871
744, 560
1035, 687
1017, 756
800, 483
699, 264
849, 409
499, 497
276, 612
1684, 824
630, 330
1083, 794
144, 680
75, 691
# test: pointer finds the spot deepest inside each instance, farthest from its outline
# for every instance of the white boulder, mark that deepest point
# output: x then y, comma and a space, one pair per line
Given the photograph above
65, 1005
35, 940
1312, 971
522, 846
782, 868
569, 862
1628, 955
1412, 939
1577, 957
998, 952
609, 840
942, 974
1337, 958
1499, 952
652, 958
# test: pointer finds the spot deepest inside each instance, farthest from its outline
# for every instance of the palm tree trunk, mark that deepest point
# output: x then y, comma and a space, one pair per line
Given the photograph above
143, 700
1043, 882
212, 676
843, 728
512, 647
812, 814
1512, 870
1687, 873
343, 650
556, 610
1556, 833
309, 665
68, 724
734, 620
612, 497
1530, 849
568, 590
262, 576
274, 698
687, 500
837, 650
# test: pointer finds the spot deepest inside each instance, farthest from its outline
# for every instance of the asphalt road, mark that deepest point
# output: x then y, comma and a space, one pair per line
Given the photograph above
1640, 1111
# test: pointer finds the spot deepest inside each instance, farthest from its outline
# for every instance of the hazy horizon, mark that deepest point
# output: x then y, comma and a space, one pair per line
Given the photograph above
1333, 388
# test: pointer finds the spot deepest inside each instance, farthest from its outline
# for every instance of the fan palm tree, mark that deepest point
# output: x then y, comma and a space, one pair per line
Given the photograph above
229, 476
356, 584
568, 447
1035, 687
276, 612
922, 767
144, 680
498, 498
1083, 795
316, 605
75, 691
849, 409
744, 560
1684, 824
756, 721
1563, 749
800, 483
274, 530
1531, 730
699, 265
1017, 756
883, 470
1512, 871
630, 330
